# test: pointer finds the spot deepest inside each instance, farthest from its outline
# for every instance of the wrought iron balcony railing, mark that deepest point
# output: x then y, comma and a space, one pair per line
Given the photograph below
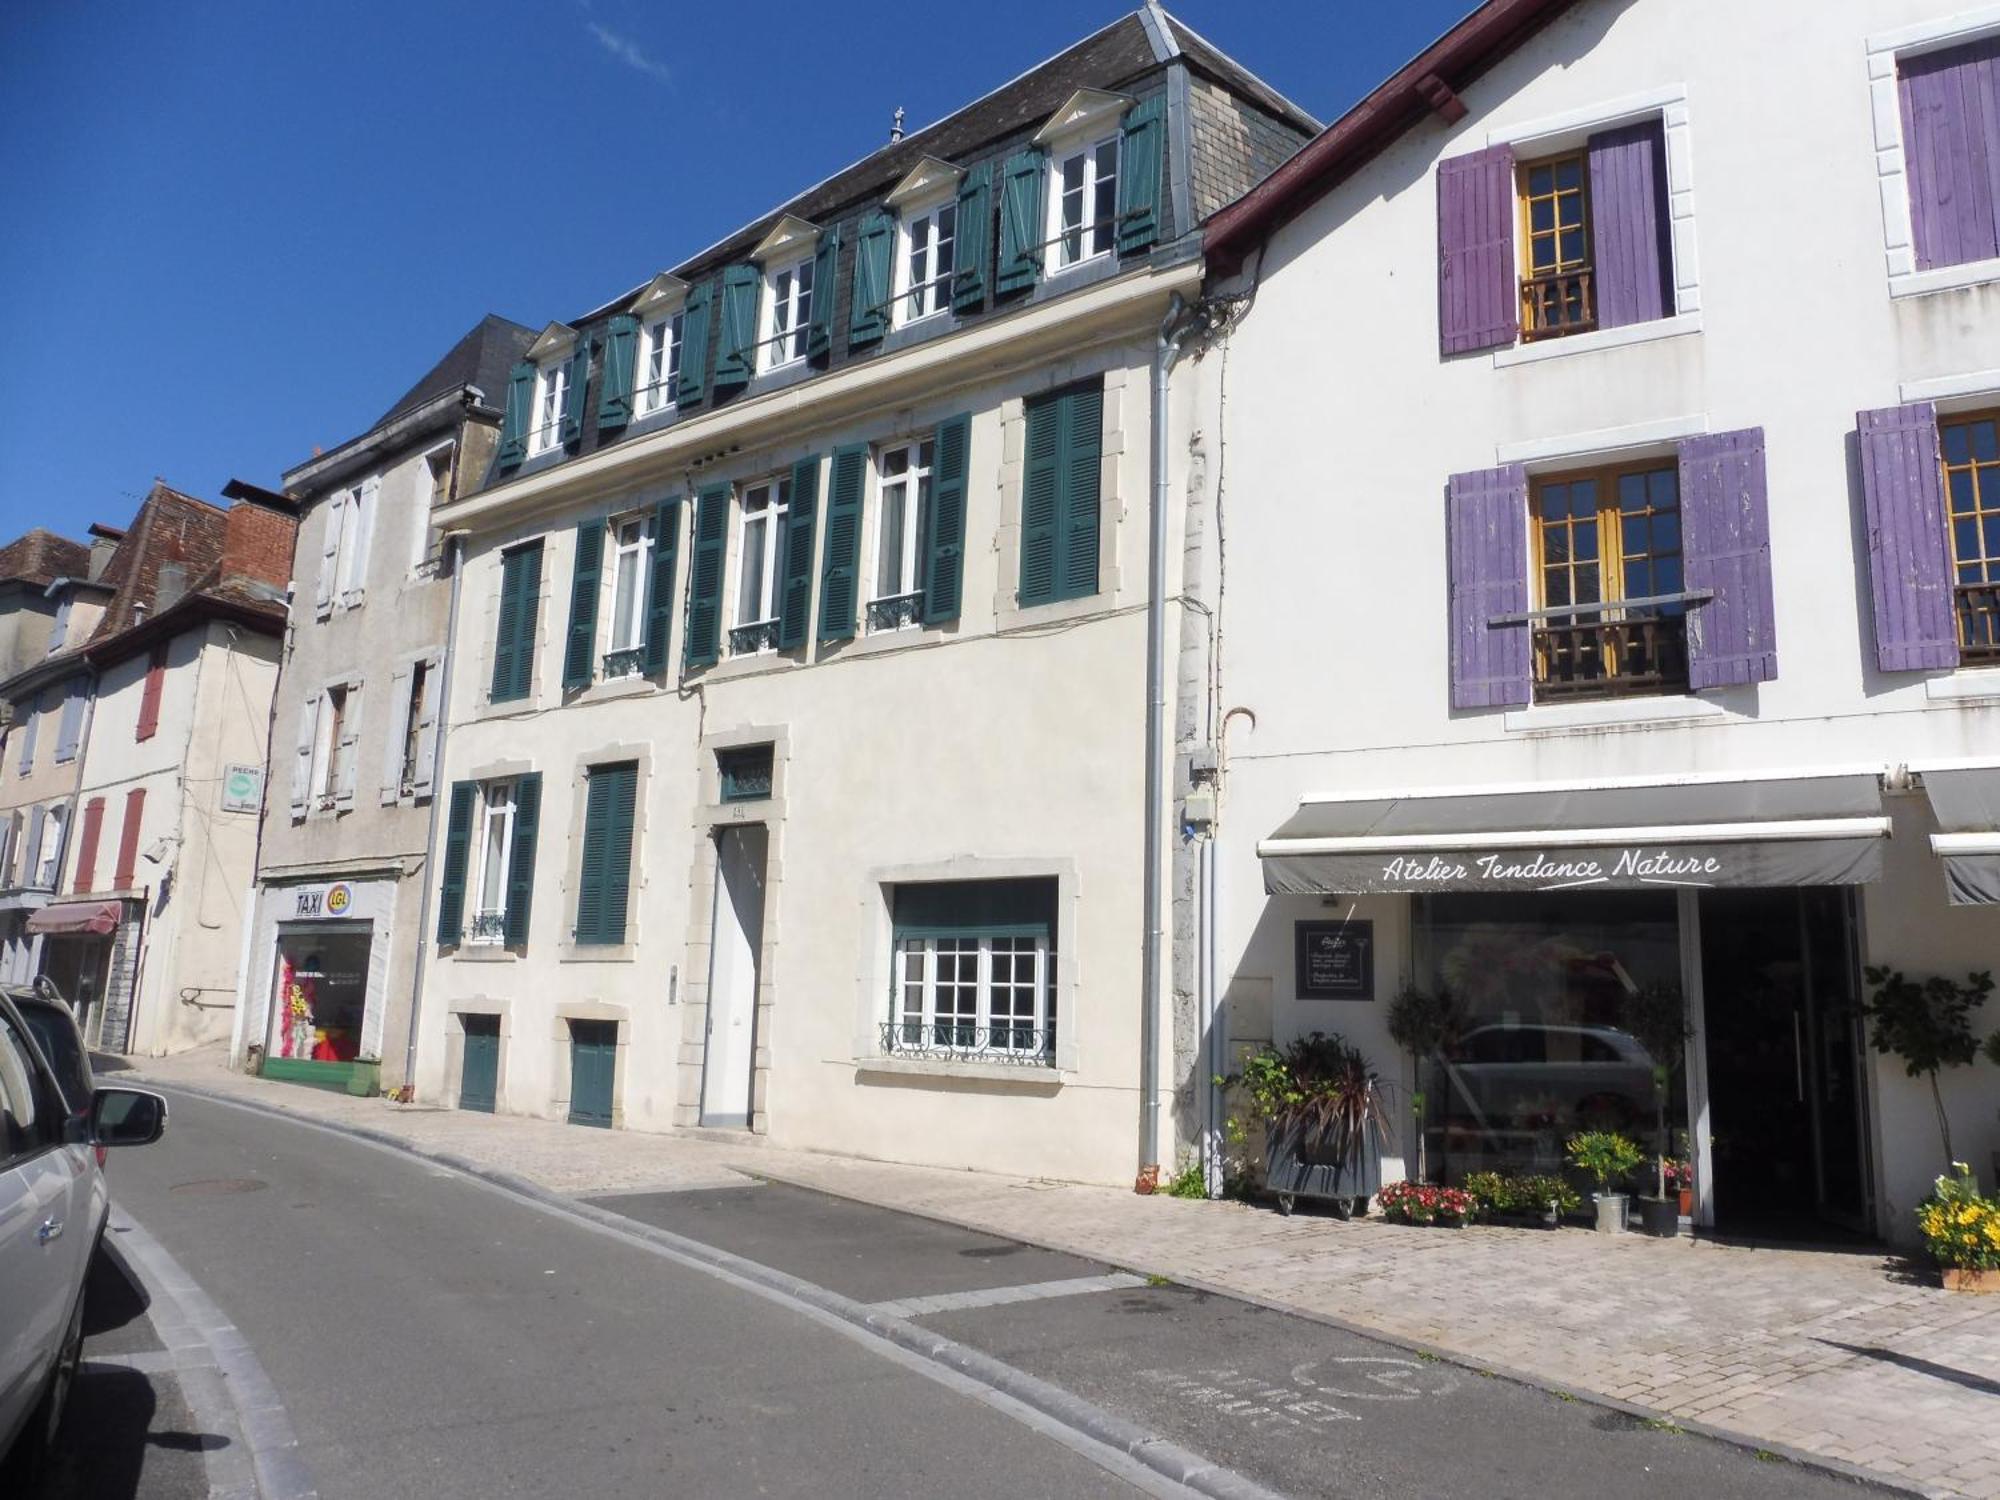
629, 662
895, 611
745, 640
488, 927
951, 1041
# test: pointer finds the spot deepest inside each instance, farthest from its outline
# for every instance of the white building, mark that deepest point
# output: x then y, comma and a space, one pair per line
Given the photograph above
1577, 273
797, 734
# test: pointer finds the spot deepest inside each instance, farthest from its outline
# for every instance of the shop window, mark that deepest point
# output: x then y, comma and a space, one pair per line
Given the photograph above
974, 972
322, 996
1609, 544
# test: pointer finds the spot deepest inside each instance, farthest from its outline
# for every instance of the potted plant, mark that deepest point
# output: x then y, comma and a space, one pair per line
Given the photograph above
1961, 1229
1426, 1203
1321, 1104
1679, 1172
1928, 1025
1528, 1201
1605, 1156
1656, 1017
1423, 1024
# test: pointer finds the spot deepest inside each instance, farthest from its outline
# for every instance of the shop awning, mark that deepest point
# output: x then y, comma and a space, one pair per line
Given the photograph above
1790, 829
1965, 799
99, 917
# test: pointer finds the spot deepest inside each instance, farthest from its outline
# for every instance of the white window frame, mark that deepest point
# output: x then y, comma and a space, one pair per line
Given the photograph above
915, 478
914, 1021
324, 784
545, 416
48, 858
1099, 239
410, 753
916, 301
659, 363
640, 553
782, 342
771, 517
488, 927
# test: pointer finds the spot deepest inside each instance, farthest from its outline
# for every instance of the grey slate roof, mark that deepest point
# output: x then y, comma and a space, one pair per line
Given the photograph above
482, 358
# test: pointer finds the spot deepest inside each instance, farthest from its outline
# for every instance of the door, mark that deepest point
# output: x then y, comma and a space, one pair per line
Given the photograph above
593, 1059
479, 1077
1782, 1046
735, 961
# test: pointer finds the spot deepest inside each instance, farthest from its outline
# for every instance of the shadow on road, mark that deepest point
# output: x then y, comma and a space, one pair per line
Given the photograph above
112, 1297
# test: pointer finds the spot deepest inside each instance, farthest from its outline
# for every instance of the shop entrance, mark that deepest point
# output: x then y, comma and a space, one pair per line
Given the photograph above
319, 999
1782, 1037
79, 968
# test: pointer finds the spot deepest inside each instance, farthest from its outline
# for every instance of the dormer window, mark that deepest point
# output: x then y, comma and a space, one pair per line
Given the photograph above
1083, 203
924, 267
551, 394
788, 292
659, 363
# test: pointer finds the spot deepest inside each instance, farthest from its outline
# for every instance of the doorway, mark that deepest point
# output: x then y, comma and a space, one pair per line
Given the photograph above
479, 1069
1783, 1047
593, 1072
736, 946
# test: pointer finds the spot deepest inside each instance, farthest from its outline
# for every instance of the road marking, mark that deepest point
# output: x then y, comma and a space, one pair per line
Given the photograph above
1308, 1398
999, 1296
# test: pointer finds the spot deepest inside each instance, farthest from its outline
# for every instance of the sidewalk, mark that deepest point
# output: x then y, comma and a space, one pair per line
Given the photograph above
1839, 1355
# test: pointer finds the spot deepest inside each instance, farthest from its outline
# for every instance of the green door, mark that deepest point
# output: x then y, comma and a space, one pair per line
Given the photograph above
593, 1052
479, 1080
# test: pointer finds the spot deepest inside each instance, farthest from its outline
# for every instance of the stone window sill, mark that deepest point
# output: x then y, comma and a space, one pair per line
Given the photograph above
1969, 685
1026, 1077
1603, 338
1611, 713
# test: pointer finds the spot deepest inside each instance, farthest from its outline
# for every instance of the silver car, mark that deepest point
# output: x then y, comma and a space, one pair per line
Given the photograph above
53, 1204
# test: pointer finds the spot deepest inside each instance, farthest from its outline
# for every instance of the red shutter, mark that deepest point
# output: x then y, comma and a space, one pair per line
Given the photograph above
149, 705
86, 853
128, 839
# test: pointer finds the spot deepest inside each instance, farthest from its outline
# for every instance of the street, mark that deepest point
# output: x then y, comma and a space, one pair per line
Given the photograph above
415, 1329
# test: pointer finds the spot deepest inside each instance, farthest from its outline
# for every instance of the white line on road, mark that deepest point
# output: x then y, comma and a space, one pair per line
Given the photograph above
999, 1296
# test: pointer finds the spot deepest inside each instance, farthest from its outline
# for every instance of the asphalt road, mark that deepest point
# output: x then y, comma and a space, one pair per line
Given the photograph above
428, 1334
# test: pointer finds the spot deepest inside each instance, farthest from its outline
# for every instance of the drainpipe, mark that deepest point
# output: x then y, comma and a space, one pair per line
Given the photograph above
452, 545
1174, 329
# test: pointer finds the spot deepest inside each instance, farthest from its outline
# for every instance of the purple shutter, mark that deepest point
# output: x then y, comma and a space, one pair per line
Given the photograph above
1726, 551
1909, 554
1478, 305
1628, 224
1951, 151
1487, 526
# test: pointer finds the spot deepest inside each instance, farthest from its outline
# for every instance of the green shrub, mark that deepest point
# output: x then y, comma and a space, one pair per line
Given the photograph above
1604, 1155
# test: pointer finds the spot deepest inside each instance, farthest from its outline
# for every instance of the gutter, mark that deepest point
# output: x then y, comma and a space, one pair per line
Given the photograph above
354, 453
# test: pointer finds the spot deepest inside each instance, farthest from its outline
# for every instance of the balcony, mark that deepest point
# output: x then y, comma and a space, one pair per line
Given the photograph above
895, 611
953, 1041
1561, 303
1978, 607
630, 662
748, 640
488, 927
1632, 650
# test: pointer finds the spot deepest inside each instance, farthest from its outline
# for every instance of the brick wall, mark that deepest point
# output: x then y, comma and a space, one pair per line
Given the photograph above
257, 544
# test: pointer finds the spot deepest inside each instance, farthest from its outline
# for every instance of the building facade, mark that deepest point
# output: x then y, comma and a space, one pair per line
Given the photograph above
1613, 610
797, 752
331, 956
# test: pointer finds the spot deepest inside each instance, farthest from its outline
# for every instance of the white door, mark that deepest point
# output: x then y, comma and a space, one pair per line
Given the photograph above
735, 944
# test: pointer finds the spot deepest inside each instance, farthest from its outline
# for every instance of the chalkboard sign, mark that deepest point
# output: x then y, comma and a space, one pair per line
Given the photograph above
1336, 960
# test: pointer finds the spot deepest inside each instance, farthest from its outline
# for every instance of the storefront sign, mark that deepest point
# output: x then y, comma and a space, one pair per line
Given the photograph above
315, 901
242, 788
1836, 861
1336, 960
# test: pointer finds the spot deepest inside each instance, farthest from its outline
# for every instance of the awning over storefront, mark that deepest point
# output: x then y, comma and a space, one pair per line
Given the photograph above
96, 917
1770, 830
1965, 799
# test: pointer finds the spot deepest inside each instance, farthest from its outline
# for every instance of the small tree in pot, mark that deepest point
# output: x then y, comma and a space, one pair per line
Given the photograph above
1929, 1025
1656, 1017
1606, 1157
1423, 1024
1321, 1104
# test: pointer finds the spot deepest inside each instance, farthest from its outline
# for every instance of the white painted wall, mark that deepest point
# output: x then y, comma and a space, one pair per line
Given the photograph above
1343, 424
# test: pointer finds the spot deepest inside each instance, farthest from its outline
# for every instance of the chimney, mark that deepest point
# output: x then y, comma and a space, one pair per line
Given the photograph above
104, 541
257, 545
170, 585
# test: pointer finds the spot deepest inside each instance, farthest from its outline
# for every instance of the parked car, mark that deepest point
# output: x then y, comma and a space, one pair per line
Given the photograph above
1595, 1076
53, 1206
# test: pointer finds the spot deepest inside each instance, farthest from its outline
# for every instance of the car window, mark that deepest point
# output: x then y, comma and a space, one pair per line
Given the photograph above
55, 1034
23, 1128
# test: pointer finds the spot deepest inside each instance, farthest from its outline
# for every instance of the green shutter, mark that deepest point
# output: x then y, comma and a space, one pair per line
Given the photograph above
621, 352
795, 602
704, 609
1139, 176
839, 585
692, 382
944, 559
1079, 470
826, 261
590, 865
581, 648
514, 639
660, 585
579, 379
521, 862
457, 855
1039, 496
604, 880
868, 316
974, 247
1021, 224
514, 424
736, 359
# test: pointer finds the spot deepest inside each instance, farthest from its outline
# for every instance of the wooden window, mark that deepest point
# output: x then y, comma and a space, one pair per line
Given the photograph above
1611, 540
1557, 296
1971, 450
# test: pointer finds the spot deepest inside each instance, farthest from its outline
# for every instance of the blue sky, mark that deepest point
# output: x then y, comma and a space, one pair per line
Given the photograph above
240, 228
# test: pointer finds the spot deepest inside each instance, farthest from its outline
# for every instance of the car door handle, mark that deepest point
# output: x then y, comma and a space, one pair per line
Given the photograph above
51, 1229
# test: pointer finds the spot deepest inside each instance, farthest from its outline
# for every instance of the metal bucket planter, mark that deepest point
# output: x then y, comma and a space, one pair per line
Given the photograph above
1299, 1163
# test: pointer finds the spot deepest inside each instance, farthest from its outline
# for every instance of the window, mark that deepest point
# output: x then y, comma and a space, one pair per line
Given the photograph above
760, 564
357, 520
903, 493
515, 623
1612, 541
496, 848
604, 875
59, 631
331, 747
1556, 292
974, 972
659, 364
1083, 208
551, 395
1949, 137
743, 774
69, 727
439, 462
411, 761
26, 1128
930, 239
31, 719
788, 311
624, 652
1060, 494
48, 857
1971, 451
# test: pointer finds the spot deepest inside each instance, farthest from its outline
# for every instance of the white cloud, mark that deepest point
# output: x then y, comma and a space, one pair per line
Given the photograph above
630, 52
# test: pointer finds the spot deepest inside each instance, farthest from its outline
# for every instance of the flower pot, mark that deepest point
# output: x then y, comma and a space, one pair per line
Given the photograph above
1660, 1217
1610, 1212
1956, 1280
1302, 1163
1687, 1203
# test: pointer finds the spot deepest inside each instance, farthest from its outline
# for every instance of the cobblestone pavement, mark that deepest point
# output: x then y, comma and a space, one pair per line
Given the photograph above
1851, 1357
